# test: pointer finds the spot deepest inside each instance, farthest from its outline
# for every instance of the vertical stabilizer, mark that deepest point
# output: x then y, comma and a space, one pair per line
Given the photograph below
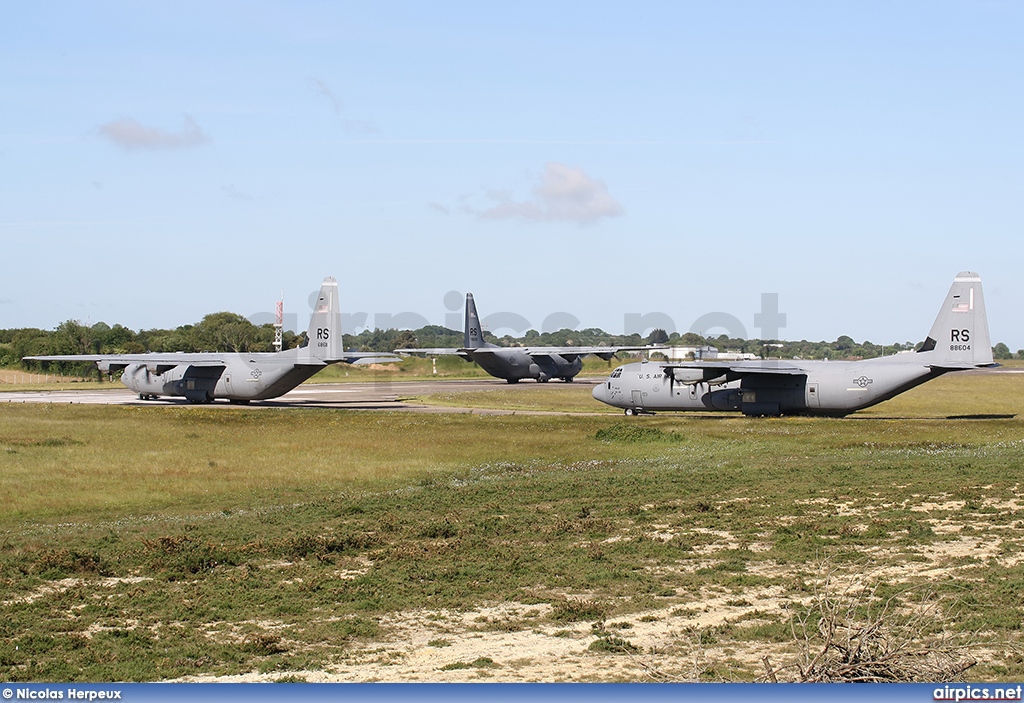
960, 333
474, 338
325, 341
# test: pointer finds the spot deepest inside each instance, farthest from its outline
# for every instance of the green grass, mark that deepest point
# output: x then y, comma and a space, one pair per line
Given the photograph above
956, 394
423, 369
159, 542
527, 396
411, 368
72, 385
74, 462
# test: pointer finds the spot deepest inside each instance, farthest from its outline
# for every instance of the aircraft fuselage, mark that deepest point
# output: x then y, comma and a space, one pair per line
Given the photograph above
514, 364
239, 377
242, 377
958, 341
823, 387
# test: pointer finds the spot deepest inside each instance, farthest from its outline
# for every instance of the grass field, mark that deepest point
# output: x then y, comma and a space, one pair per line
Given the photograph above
300, 544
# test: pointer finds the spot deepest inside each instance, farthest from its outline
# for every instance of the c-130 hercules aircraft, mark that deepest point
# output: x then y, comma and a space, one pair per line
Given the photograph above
958, 341
238, 377
516, 363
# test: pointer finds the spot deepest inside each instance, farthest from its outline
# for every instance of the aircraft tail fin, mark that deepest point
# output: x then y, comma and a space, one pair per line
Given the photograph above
959, 337
324, 334
474, 337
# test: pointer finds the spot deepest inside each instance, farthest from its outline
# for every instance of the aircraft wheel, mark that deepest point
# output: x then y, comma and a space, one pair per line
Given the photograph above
543, 379
630, 412
568, 379
512, 380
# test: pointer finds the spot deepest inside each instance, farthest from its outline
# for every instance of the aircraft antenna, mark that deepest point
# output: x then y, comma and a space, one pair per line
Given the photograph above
279, 324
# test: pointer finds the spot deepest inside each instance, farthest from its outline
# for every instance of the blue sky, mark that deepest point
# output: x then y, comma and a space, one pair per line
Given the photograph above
160, 161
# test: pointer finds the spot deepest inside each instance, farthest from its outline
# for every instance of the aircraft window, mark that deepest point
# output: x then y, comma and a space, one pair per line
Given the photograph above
617, 372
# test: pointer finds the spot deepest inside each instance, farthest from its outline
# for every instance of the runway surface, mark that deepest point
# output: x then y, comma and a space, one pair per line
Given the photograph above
382, 395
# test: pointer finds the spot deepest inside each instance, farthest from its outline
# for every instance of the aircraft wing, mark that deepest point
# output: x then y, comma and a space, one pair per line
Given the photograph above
366, 358
701, 371
157, 363
180, 358
436, 351
571, 353
568, 353
777, 367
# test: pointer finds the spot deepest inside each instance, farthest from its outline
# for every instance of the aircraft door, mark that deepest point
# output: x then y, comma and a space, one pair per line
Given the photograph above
638, 399
813, 401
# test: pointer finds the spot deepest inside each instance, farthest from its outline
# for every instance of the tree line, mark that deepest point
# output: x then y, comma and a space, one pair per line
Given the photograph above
226, 331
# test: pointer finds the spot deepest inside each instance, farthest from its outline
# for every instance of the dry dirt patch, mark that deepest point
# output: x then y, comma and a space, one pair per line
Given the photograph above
522, 642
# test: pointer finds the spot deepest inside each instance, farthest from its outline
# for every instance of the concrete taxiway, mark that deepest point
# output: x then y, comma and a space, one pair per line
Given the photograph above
381, 395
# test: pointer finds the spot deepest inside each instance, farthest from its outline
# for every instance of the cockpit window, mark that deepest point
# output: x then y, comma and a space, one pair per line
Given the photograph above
617, 372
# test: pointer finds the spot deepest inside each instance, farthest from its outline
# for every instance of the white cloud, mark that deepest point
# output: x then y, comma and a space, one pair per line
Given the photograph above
130, 134
564, 194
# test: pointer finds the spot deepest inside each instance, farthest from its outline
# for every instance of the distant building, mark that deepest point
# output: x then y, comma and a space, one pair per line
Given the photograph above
706, 354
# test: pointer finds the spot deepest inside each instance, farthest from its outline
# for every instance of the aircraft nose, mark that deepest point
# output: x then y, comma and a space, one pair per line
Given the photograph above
600, 392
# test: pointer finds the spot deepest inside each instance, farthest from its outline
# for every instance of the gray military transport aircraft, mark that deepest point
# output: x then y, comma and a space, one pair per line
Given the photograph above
958, 341
238, 377
516, 363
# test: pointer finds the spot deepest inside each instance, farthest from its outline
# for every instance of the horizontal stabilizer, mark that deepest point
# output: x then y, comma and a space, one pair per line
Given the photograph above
954, 366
